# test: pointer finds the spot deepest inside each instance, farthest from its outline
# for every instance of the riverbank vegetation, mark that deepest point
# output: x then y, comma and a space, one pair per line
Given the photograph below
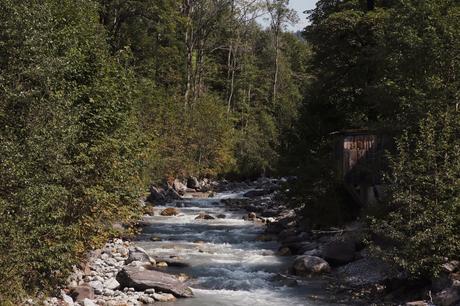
99, 99
387, 66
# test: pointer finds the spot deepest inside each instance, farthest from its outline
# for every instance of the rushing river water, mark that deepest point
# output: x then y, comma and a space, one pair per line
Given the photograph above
227, 264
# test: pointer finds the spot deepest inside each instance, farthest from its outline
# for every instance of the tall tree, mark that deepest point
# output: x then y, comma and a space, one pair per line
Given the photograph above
279, 15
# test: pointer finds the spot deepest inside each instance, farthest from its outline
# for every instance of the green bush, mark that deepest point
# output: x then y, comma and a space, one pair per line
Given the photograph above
421, 226
69, 155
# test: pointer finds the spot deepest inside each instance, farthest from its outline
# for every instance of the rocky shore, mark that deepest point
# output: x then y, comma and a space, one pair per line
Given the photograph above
123, 274
120, 274
342, 256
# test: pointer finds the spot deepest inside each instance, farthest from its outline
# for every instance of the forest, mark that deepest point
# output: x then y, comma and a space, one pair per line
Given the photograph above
99, 99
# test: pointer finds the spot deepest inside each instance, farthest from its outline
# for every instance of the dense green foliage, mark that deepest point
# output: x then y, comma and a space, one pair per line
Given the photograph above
391, 68
68, 140
101, 98
189, 54
422, 220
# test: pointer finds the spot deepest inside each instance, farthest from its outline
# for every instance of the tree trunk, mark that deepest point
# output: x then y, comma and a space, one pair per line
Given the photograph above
233, 64
190, 49
275, 78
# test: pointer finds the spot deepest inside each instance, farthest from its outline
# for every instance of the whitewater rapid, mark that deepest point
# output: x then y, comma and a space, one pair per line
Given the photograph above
226, 262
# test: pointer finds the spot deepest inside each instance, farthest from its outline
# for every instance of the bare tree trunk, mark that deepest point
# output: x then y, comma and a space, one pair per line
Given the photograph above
190, 49
230, 66
234, 63
198, 80
229, 74
275, 78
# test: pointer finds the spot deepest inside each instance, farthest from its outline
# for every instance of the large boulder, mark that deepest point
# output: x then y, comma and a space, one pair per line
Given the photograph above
192, 182
180, 187
308, 265
448, 297
172, 195
171, 211
141, 278
339, 252
366, 272
157, 195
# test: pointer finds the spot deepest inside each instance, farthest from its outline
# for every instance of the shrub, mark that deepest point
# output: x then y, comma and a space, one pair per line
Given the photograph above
69, 156
422, 223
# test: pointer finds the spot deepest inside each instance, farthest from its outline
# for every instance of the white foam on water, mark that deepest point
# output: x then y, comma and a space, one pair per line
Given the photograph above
229, 267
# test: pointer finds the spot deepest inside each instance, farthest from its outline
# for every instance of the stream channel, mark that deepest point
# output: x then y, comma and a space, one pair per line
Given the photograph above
227, 264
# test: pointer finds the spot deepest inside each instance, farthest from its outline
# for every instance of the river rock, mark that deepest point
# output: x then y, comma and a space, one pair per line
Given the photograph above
367, 271
111, 284
146, 299
180, 187
204, 216
451, 266
97, 286
164, 297
172, 195
138, 254
88, 302
447, 297
80, 293
67, 300
306, 265
172, 261
338, 252
157, 195
142, 279
252, 216
221, 216
171, 211
192, 182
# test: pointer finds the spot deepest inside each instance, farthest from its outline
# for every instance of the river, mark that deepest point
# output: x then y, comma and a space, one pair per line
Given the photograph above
228, 265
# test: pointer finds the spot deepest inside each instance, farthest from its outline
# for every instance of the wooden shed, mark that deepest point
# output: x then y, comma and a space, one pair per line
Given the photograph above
360, 156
